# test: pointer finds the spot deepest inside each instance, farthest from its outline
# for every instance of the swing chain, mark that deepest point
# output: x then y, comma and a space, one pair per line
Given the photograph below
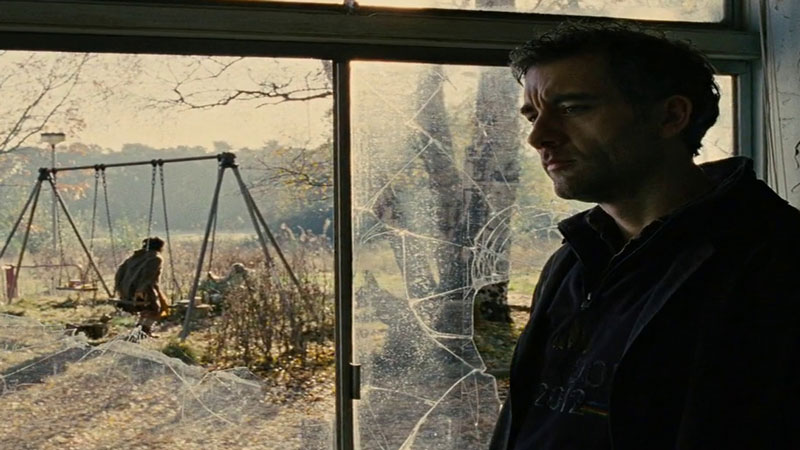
94, 210
152, 199
108, 215
60, 238
176, 286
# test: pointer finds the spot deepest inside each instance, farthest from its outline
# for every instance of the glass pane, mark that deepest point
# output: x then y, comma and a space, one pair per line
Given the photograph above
436, 164
256, 371
452, 212
667, 10
718, 141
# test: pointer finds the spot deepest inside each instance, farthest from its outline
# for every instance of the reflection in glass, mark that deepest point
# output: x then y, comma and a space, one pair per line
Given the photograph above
666, 10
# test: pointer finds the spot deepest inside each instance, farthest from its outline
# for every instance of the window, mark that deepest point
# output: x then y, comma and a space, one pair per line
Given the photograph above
405, 98
719, 143
120, 109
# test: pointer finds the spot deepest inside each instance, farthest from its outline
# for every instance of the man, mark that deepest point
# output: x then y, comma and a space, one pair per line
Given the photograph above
670, 317
137, 282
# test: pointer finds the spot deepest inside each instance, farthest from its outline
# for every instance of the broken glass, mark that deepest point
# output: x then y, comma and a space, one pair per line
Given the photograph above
453, 216
436, 170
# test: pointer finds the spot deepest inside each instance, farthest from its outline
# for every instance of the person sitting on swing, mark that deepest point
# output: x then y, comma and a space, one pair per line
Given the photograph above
137, 282
215, 286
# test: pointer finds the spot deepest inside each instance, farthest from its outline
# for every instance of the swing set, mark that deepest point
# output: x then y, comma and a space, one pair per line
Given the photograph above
47, 176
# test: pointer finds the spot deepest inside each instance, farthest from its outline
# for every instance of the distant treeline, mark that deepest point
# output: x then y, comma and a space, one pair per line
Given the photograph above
189, 189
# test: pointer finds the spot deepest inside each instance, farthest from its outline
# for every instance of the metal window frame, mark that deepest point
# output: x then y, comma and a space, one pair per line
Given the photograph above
305, 30
343, 33
745, 119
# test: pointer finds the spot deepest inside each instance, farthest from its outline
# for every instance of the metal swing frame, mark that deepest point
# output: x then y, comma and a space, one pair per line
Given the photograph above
46, 175
226, 160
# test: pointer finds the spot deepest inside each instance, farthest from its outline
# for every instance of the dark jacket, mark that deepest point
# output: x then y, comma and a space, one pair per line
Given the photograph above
140, 273
712, 362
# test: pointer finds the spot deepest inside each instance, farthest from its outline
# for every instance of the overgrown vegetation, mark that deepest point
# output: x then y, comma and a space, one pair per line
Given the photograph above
267, 323
182, 350
262, 321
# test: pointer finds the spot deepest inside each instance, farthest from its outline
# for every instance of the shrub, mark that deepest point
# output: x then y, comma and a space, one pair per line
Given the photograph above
267, 323
182, 350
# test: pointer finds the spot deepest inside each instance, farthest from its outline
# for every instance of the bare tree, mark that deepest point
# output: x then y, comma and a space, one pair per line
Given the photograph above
485, 186
37, 90
204, 82
207, 82
308, 171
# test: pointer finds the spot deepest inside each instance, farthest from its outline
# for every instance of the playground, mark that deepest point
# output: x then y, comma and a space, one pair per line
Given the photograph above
246, 351
249, 329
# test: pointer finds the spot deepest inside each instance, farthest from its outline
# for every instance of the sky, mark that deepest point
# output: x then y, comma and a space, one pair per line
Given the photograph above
120, 99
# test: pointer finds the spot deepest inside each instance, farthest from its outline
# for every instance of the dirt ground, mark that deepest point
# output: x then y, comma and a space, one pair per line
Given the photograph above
121, 391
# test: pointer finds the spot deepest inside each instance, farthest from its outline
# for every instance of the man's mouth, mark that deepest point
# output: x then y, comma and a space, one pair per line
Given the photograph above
558, 164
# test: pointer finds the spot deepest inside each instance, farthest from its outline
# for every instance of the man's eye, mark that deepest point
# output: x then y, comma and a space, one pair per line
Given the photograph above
572, 109
531, 119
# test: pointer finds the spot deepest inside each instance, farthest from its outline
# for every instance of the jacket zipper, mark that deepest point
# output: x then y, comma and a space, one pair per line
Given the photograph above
587, 302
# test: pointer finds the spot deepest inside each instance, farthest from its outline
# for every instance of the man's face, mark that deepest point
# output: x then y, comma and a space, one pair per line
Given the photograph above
592, 142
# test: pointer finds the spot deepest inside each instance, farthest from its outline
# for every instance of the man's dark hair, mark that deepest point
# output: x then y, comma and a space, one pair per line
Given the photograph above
645, 67
152, 243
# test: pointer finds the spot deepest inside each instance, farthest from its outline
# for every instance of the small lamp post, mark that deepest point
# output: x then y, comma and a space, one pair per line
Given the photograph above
52, 139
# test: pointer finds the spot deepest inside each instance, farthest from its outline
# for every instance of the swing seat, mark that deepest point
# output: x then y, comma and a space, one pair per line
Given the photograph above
130, 306
77, 285
200, 309
137, 306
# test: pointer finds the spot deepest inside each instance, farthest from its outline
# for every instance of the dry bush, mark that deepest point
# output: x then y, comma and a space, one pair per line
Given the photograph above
268, 323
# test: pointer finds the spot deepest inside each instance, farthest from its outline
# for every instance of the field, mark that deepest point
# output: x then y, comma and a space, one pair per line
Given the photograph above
66, 387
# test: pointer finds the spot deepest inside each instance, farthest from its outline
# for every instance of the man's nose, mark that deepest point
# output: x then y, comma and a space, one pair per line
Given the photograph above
546, 132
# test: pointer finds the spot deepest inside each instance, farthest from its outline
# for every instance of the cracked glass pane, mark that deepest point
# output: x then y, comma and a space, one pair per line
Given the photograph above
668, 10
419, 162
453, 221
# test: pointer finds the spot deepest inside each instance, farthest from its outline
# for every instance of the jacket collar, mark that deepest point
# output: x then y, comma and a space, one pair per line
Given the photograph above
593, 231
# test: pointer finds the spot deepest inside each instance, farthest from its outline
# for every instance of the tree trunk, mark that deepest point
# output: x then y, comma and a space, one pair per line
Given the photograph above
492, 163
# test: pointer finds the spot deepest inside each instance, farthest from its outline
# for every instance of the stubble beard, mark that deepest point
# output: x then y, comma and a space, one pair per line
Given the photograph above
579, 186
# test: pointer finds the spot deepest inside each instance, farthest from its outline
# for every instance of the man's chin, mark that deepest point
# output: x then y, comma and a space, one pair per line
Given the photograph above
566, 194
562, 189
571, 193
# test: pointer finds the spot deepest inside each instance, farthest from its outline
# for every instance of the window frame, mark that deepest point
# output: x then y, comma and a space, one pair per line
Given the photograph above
343, 33
307, 30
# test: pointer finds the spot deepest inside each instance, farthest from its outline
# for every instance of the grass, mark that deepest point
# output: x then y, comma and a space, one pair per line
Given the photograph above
523, 283
57, 310
185, 351
495, 341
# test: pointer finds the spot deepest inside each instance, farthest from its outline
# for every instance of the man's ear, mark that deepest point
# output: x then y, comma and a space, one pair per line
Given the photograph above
677, 110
